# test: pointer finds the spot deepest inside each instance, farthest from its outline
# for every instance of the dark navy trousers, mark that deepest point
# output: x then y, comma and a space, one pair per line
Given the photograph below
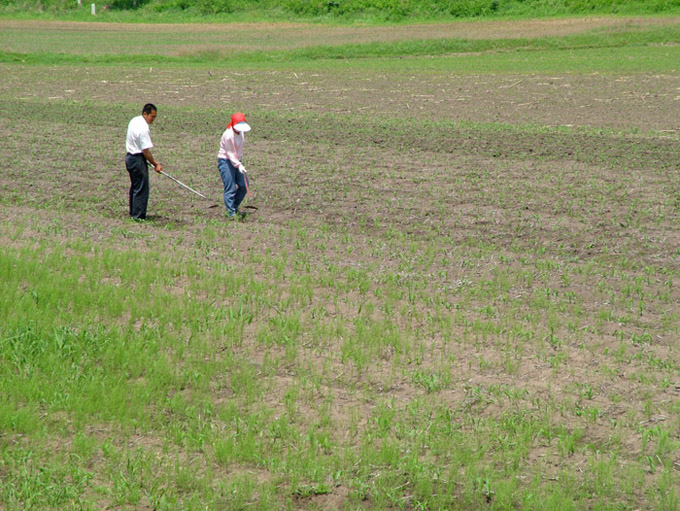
138, 169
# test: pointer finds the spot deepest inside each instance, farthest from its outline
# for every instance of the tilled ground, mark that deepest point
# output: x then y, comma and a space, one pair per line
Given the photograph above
624, 102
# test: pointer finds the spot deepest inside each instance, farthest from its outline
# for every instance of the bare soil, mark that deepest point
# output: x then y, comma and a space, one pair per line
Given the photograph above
625, 102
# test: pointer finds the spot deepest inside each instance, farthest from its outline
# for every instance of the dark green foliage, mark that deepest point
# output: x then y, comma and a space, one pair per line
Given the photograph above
216, 6
390, 10
394, 9
207, 7
404, 9
128, 4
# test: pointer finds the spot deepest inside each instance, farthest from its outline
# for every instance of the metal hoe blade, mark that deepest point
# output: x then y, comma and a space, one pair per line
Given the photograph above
182, 184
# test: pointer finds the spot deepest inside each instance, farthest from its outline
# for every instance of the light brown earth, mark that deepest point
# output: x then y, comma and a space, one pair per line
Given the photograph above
176, 39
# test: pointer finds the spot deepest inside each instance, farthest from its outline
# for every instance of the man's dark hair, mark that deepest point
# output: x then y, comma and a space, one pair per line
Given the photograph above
148, 108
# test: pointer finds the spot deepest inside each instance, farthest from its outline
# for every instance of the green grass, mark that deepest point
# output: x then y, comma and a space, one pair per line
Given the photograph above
607, 60
637, 51
160, 398
352, 11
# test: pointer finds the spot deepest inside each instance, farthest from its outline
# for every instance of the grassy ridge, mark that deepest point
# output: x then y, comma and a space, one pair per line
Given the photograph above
637, 50
375, 10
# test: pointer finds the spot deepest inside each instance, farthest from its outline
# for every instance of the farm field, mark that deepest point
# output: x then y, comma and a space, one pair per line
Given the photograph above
460, 288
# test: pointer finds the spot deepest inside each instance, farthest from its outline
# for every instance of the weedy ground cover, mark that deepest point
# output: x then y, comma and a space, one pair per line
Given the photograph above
356, 11
460, 290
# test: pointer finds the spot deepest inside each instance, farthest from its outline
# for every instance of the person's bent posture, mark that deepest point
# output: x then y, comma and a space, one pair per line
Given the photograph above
229, 163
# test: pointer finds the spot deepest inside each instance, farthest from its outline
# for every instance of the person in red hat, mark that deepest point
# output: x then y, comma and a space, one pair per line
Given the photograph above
229, 163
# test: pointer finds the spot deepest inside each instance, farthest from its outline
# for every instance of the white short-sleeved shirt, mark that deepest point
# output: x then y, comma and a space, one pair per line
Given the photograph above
138, 136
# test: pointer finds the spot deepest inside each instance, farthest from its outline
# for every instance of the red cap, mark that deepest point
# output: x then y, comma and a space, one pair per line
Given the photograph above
236, 118
238, 122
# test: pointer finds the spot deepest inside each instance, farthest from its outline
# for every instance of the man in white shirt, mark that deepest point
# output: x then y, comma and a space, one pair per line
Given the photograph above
138, 146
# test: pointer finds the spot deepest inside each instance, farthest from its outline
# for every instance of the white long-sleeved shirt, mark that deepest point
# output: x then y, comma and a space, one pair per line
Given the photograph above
231, 147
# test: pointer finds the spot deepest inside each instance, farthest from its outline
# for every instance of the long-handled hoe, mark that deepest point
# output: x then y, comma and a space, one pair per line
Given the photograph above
185, 186
188, 188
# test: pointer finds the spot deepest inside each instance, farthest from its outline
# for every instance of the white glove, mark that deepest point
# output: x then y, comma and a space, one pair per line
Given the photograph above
242, 169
